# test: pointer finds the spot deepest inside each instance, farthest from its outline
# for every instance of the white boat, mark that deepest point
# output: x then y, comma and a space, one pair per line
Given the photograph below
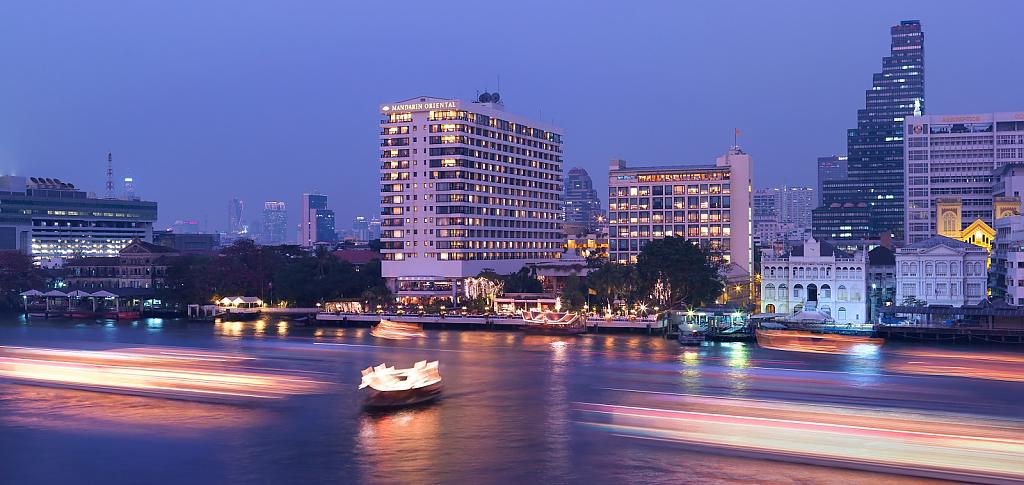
390, 387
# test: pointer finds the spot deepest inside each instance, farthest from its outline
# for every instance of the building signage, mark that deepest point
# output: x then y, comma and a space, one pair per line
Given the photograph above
419, 106
960, 119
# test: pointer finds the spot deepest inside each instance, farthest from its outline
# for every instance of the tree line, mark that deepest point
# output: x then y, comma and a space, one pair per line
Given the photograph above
273, 273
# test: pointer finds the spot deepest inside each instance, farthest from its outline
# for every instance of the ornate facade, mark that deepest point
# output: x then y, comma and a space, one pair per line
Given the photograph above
815, 276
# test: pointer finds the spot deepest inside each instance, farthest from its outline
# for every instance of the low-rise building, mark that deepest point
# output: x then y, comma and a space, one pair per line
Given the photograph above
941, 271
138, 265
815, 276
881, 279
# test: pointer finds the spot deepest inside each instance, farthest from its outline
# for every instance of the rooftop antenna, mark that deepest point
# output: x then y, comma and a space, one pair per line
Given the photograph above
110, 175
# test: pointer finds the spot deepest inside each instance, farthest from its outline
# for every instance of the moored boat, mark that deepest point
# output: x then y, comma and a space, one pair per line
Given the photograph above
390, 387
552, 323
689, 334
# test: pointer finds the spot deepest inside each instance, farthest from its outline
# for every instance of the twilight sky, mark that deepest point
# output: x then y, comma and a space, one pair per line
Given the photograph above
204, 100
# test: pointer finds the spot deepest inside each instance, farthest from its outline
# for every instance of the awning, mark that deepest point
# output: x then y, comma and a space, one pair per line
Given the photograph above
55, 293
104, 294
79, 294
32, 293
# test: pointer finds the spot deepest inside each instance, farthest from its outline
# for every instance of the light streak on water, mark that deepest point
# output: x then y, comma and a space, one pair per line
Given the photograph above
933, 445
168, 373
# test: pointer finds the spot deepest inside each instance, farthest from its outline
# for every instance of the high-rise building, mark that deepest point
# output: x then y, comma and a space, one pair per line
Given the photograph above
235, 213
466, 186
951, 165
361, 228
583, 211
830, 169
789, 205
49, 219
374, 228
781, 212
275, 223
317, 220
875, 162
710, 204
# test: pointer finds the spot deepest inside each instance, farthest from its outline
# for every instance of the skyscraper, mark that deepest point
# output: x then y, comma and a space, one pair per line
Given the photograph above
465, 186
275, 223
317, 220
875, 147
235, 214
582, 205
361, 228
830, 169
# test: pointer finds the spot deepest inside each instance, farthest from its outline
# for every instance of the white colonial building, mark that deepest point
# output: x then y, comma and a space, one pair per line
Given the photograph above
815, 276
941, 271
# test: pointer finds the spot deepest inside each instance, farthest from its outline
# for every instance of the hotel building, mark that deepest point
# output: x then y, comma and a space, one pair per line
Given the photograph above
951, 165
465, 186
53, 220
709, 204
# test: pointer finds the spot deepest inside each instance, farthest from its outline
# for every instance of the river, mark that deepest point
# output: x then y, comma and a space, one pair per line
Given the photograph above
617, 408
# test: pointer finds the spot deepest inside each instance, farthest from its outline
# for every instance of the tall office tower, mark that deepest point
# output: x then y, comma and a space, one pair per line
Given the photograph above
275, 223
582, 206
952, 162
317, 220
49, 219
830, 169
374, 228
235, 213
710, 204
466, 186
361, 228
875, 147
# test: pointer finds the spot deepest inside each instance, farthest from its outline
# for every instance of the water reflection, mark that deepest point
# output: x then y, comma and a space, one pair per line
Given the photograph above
75, 410
401, 446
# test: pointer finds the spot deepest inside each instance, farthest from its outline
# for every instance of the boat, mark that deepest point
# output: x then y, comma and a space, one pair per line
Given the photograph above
392, 330
690, 334
123, 315
803, 341
390, 387
552, 323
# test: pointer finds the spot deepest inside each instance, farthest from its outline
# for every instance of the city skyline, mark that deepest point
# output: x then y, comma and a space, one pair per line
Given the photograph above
270, 148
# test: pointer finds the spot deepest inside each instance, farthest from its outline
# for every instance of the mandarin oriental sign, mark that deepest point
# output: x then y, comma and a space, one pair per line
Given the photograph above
419, 106
959, 119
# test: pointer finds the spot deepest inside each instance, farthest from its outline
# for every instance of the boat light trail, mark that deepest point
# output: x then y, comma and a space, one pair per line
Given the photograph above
157, 373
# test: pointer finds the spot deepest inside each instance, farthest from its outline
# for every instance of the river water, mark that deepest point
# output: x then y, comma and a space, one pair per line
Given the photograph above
517, 409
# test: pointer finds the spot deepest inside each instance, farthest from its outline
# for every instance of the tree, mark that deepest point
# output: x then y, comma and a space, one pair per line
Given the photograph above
613, 281
16, 275
680, 271
523, 281
574, 293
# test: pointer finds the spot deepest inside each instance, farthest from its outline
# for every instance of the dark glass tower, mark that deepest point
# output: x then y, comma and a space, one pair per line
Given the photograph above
582, 206
875, 147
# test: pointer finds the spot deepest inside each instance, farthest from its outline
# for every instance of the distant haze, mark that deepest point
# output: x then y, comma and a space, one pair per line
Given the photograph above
202, 101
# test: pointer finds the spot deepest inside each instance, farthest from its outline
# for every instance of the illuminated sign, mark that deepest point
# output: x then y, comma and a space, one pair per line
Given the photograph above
419, 106
960, 119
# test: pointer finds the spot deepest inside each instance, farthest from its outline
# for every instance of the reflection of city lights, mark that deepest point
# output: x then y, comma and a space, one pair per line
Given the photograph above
161, 373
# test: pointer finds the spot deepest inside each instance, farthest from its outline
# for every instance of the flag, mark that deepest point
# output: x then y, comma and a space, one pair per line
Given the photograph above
737, 132
591, 291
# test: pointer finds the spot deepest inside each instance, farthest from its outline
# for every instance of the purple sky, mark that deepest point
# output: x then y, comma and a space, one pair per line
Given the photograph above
201, 101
